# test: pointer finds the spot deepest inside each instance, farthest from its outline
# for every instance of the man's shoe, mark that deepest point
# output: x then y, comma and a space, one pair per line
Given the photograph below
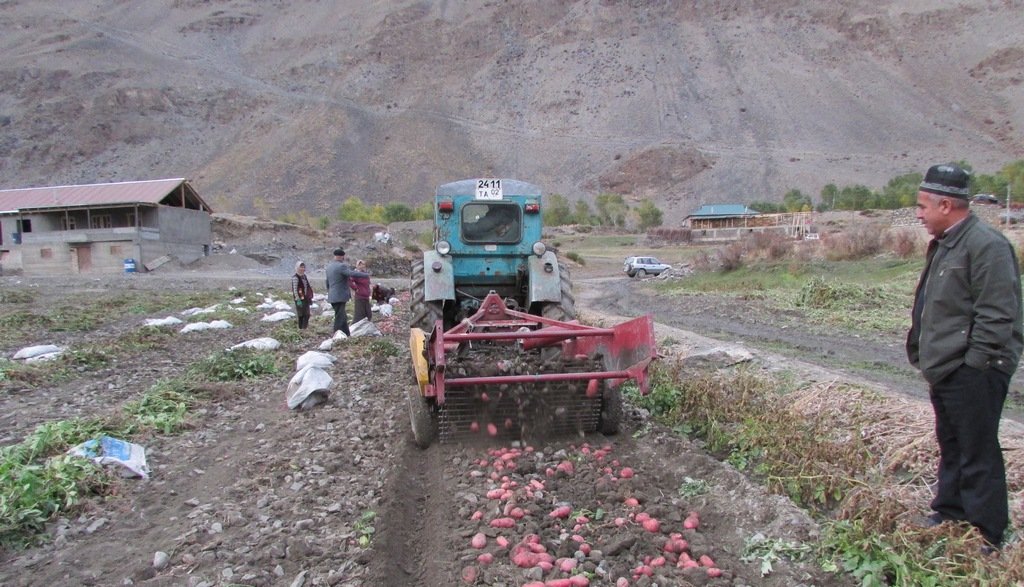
930, 521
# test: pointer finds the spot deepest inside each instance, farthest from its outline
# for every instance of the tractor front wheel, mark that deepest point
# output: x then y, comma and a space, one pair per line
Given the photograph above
424, 314
422, 418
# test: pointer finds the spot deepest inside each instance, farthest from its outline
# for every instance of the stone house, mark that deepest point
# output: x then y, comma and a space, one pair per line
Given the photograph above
99, 228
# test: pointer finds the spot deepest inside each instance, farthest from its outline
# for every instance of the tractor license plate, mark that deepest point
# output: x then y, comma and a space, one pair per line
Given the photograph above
488, 189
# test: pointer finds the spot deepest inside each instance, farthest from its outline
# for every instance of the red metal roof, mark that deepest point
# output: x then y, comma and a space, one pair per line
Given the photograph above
98, 194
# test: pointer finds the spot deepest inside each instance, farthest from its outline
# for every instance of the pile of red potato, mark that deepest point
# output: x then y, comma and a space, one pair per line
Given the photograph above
573, 517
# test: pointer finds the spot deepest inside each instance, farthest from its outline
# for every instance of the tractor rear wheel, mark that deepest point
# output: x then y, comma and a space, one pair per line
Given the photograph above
422, 417
424, 314
611, 410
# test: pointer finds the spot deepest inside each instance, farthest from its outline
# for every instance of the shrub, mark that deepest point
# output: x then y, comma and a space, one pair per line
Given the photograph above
576, 257
856, 243
904, 243
730, 258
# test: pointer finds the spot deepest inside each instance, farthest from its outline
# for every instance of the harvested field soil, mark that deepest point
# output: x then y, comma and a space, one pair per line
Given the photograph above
251, 493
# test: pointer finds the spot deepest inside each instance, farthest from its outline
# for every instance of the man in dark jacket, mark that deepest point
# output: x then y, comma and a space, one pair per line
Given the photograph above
966, 338
338, 293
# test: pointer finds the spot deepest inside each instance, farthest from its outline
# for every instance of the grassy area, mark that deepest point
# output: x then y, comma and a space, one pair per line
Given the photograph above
863, 296
850, 456
39, 480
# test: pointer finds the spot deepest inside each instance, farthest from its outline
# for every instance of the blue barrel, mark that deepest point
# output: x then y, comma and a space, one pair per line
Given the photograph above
129, 265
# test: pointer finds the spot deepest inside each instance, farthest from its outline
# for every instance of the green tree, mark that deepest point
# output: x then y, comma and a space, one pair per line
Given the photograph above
796, 201
829, 196
766, 207
556, 210
901, 191
396, 212
648, 215
424, 211
611, 210
582, 213
354, 210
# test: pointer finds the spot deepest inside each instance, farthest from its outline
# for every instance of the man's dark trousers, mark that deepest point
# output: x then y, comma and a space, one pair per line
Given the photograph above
340, 317
971, 480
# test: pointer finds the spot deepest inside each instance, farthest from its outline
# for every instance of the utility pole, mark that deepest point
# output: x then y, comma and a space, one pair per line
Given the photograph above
1007, 203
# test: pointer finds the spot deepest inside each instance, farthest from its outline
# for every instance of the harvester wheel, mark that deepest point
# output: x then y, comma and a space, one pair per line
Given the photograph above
424, 314
422, 418
611, 410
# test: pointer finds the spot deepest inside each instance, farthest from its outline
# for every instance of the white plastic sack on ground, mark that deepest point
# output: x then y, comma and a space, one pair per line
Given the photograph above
261, 344
393, 301
195, 311
34, 351
319, 297
238, 301
339, 335
111, 451
309, 387
220, 324
168, 321
314, 359
386, 310
364, 328
327, 345
44, 357
195, 327
277, 317
242, 310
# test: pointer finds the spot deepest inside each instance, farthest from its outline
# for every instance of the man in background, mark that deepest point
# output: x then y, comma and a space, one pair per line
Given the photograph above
338, 293
966, 338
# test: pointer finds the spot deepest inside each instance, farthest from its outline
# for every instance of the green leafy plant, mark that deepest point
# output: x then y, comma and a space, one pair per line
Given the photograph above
364, 528
163, 407
770, 551
691, 487
235, 365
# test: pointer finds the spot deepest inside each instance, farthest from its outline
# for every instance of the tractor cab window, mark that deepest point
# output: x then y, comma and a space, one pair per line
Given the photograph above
491, 222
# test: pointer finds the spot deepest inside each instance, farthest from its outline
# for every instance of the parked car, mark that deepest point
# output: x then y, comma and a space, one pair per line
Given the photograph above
643, 266
985, 199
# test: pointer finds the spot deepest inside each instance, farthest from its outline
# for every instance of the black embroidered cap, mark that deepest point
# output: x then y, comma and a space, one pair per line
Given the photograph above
339, 252
947, 180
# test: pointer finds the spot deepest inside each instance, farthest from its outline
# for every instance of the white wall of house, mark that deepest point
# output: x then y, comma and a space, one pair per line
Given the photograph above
101, 241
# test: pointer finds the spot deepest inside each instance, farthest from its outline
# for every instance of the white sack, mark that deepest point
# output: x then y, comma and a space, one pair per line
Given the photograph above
310, 383
278, 316
35, 351
195, 327
327, 345
44, 357
339, 335
393, 301
220, 324
386, 310
168, 321
260, 344
364, 328
314, 359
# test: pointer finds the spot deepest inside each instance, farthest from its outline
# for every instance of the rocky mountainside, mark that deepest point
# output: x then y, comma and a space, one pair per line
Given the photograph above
283, 106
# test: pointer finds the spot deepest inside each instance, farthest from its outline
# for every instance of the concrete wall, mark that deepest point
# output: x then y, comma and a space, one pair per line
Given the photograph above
47, 250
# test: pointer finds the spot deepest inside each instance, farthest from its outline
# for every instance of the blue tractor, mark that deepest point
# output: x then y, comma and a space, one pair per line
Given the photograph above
496, 347
487, 237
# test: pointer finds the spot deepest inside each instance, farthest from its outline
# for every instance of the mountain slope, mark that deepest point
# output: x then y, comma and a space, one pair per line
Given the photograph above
297, 105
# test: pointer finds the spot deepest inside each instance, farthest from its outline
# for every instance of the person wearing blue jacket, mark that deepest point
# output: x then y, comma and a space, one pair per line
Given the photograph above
338, 293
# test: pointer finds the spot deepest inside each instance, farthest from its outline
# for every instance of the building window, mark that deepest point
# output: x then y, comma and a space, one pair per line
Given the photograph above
25, 225
131, 219
101, 221
115, 250
45, 253
67, 223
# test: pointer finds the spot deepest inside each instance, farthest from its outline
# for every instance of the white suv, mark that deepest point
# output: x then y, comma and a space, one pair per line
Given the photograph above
642, 266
